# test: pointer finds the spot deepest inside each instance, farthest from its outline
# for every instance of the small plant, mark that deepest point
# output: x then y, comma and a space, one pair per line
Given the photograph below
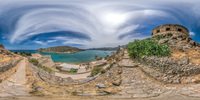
24, 54
96, 70
36, 63
58, 67
111, 65
73, 70
140, 48
103, 71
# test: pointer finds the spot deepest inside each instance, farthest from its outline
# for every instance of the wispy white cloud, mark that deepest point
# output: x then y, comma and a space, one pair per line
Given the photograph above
103, 21
192, 34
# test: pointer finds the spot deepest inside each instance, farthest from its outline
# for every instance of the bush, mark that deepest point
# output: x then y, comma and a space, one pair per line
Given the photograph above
24, 54
147, 47
73, 70
36, 63
96, 70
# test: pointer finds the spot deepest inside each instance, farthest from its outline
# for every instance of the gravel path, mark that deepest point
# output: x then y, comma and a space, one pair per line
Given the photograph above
15, 85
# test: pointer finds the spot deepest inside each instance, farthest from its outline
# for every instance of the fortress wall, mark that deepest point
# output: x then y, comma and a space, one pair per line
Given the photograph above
170, 28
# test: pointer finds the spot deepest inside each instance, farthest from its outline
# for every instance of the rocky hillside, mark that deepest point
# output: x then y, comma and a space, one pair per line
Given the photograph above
181, 46
60, 49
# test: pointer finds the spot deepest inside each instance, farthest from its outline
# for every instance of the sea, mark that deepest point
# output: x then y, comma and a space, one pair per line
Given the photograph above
79, 57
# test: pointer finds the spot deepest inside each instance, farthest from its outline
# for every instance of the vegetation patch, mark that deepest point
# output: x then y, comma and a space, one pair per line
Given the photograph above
36, 63
97, 70
73, 70
24, 54
148, 47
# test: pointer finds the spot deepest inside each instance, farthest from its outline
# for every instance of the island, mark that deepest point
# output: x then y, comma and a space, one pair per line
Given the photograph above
60, 49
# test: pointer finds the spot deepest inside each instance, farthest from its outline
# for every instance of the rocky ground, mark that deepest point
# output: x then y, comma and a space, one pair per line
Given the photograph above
125, 80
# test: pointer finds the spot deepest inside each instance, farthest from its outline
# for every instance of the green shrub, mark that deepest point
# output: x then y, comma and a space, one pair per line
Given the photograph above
24, 54
96, 70
102, 71
73, 70
147, 47
36, 63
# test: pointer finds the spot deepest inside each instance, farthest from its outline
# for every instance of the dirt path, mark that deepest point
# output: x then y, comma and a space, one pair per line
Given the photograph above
15, 85
73, 76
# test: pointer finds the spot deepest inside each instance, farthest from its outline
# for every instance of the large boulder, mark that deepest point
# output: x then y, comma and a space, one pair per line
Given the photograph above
1, 46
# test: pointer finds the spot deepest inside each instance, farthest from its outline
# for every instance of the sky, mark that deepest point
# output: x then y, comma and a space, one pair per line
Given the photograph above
34, 24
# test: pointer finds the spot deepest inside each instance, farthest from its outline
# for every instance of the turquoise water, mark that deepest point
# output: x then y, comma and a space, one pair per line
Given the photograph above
79, 57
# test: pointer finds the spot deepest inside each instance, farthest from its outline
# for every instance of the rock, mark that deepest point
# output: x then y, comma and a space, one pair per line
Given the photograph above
119, 70
1, 46
165, 79
39, 89
163, 40
117, 82
69, 79
59, 93
85, 94
177, 80
144, 95
100, 85
184, 60
122, 97
192, 42
172, 42
77, 92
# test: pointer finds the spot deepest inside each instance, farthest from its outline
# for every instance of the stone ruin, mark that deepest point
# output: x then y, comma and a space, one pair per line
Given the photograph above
1, 46
170, 28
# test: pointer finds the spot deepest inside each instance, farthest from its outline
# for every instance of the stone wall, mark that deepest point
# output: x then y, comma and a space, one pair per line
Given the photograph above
7, 69
170, 28
1, 46
168, 70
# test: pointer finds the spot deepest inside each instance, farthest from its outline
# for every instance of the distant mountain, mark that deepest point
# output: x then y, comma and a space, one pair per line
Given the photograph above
107, 48
60, 49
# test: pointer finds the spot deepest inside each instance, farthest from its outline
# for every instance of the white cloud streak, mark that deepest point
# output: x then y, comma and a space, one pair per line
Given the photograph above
102, 21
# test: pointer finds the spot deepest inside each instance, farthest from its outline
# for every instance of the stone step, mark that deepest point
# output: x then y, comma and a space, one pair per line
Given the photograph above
144, 95
135, 92
122, 96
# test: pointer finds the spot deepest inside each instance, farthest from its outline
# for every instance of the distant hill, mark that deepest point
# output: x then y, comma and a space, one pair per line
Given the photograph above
60, 49
107, 48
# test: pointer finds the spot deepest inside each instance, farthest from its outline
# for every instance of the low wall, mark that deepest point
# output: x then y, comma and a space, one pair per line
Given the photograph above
7, 69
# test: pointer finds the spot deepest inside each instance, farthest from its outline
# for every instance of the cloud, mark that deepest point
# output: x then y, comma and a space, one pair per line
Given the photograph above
192, 34
91, 23
40, 42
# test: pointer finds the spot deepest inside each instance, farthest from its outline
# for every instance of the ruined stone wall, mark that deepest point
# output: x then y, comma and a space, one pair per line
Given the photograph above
170, 28
168, 70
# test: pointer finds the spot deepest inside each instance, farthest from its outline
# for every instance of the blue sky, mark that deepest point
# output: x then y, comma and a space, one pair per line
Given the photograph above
34, 24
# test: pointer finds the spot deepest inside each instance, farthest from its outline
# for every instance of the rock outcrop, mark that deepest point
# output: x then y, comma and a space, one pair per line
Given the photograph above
45, 60
60, 49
